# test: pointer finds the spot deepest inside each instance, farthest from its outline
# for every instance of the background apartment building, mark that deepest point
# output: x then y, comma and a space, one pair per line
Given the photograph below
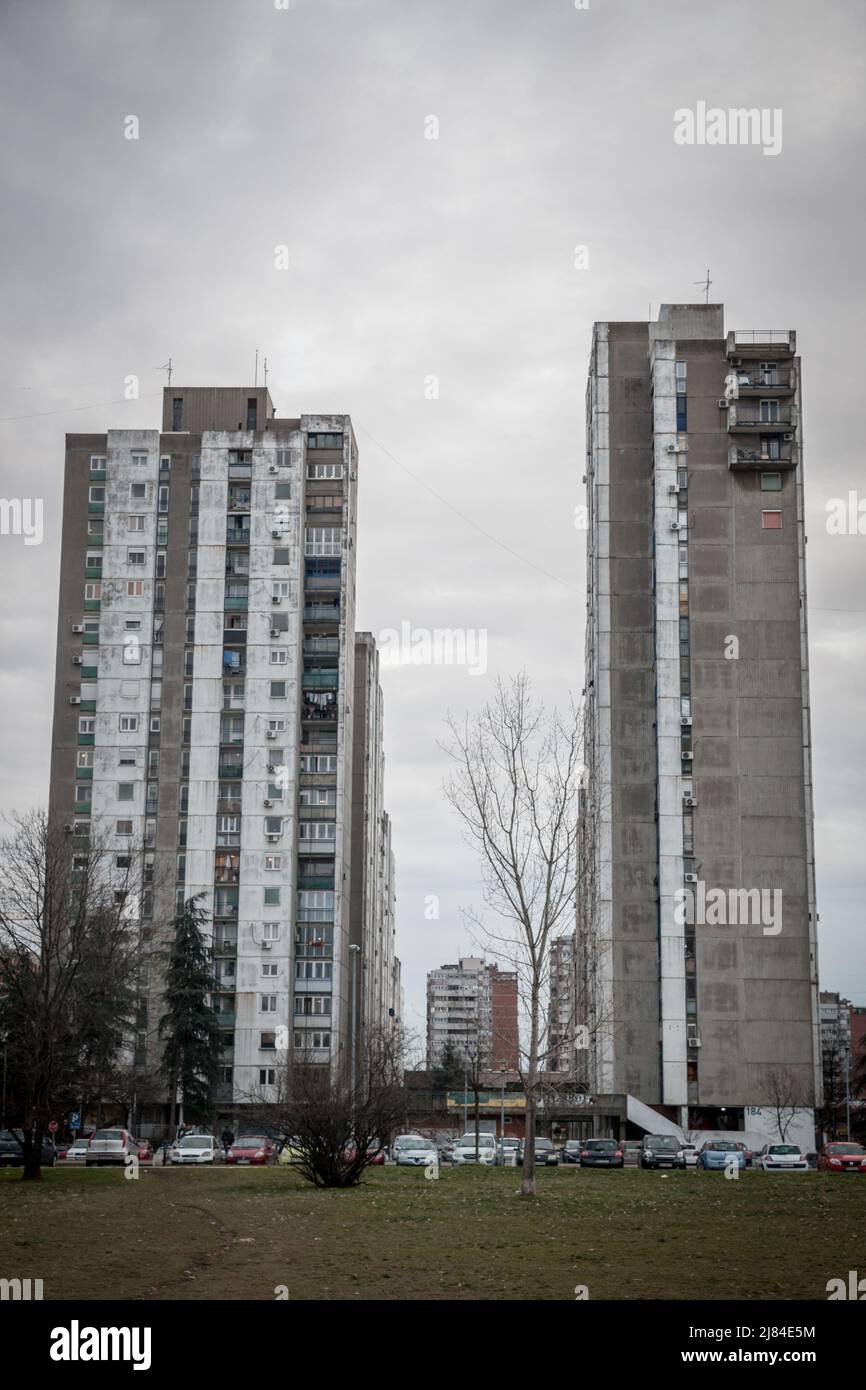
203, 710
697, 686
473, 1007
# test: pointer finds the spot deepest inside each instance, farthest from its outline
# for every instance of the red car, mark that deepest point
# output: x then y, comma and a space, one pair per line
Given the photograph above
374, 1155
842, 1158
253, 1149
145, 1150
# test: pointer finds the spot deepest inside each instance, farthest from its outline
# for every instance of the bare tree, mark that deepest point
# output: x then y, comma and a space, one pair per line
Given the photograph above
787, 1093
69, 961
336, 1129
515, 790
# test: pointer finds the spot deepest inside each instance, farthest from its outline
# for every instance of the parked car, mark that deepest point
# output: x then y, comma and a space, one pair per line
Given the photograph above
545, 1154
842, 1158
12, 1149
466, 1151
77, 1152
417, 1153
571, 1151
375, 1154
631, 1152
110, 1147
255, 1149
506, 1149
690, 1155
748, 1153
602, 1153
402, 1139
289, 1153
145, 1150
661, 1151
782, 1158
194, 1148
721, 1153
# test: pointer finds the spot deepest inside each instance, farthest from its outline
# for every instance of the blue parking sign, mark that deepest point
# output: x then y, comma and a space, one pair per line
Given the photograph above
74, 1120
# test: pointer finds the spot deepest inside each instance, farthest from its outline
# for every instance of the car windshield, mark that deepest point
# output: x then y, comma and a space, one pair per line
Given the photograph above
543, 1144
662, 1141
416, 1144
604, 1144
485, 1141
572, 1144
846, 1149
115, 1134
250, 1141
194, 1141
724, 1147
784, 1149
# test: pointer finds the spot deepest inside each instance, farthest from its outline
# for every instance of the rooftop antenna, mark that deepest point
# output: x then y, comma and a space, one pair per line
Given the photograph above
706, 284
166, 367
266, 372
256, 382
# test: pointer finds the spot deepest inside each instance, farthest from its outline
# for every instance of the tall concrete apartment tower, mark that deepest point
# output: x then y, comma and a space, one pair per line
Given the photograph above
699, 783
473, 1007
203, 704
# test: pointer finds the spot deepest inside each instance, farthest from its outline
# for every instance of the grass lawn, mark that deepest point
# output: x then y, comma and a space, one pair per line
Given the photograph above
222, 1233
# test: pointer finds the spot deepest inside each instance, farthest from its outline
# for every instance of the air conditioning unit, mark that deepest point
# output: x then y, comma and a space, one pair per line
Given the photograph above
275, 598
268, 803
789, 436
273, 838
272, 468
673, 489
723, 403
75, 699
267, 945
78, 661
275, 631
277, 534
688, 757
68, 829
690, 801
671, 449
736, 361
690, 878
272, 767
272, 733
675, 525
694, 1042
77, 627
685, 721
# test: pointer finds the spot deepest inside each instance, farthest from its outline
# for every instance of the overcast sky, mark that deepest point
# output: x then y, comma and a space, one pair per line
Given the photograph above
410, 258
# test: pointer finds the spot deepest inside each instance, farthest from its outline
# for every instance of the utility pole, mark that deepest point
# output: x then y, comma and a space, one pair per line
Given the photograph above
355, 952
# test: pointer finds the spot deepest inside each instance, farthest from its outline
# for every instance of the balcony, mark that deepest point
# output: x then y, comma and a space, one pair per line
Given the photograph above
231, 772
86, 740
92, 605
747, 417
92, 571
320, 712
761, 343
225, 948
320, 680
744, 460
89, 673
227, 806
778, 382
237, 535
236, 603
322, 613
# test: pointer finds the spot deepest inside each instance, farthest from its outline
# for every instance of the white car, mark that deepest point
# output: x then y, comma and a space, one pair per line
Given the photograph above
77, 1152
400, 1140
465, 1151
416, 1153
110, 1147
689, 1153
781, 1158
194, 1148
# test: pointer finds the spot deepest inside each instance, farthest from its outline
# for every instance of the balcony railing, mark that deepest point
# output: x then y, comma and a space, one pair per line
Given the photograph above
753, 458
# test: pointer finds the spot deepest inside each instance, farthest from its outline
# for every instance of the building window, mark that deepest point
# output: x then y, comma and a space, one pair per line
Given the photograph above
139, 460
123, 827
138, 490
771, 482
136, 557
280, 588
134, 588
771, 521
126, 791
324, 441
278, 690
272, 897
270, 931
281, 555
273, 862
279, 657
273, 825
87, 725
283, 492
267, 1076
85, 757
128, 723
268, 1004
269, 969
267, 1042
252, 412
770, 447
176, 413
136, 521
96, 494
92, 591
97, 463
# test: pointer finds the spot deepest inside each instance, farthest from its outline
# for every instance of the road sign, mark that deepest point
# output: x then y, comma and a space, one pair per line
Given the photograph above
52, 1126
74, 1120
